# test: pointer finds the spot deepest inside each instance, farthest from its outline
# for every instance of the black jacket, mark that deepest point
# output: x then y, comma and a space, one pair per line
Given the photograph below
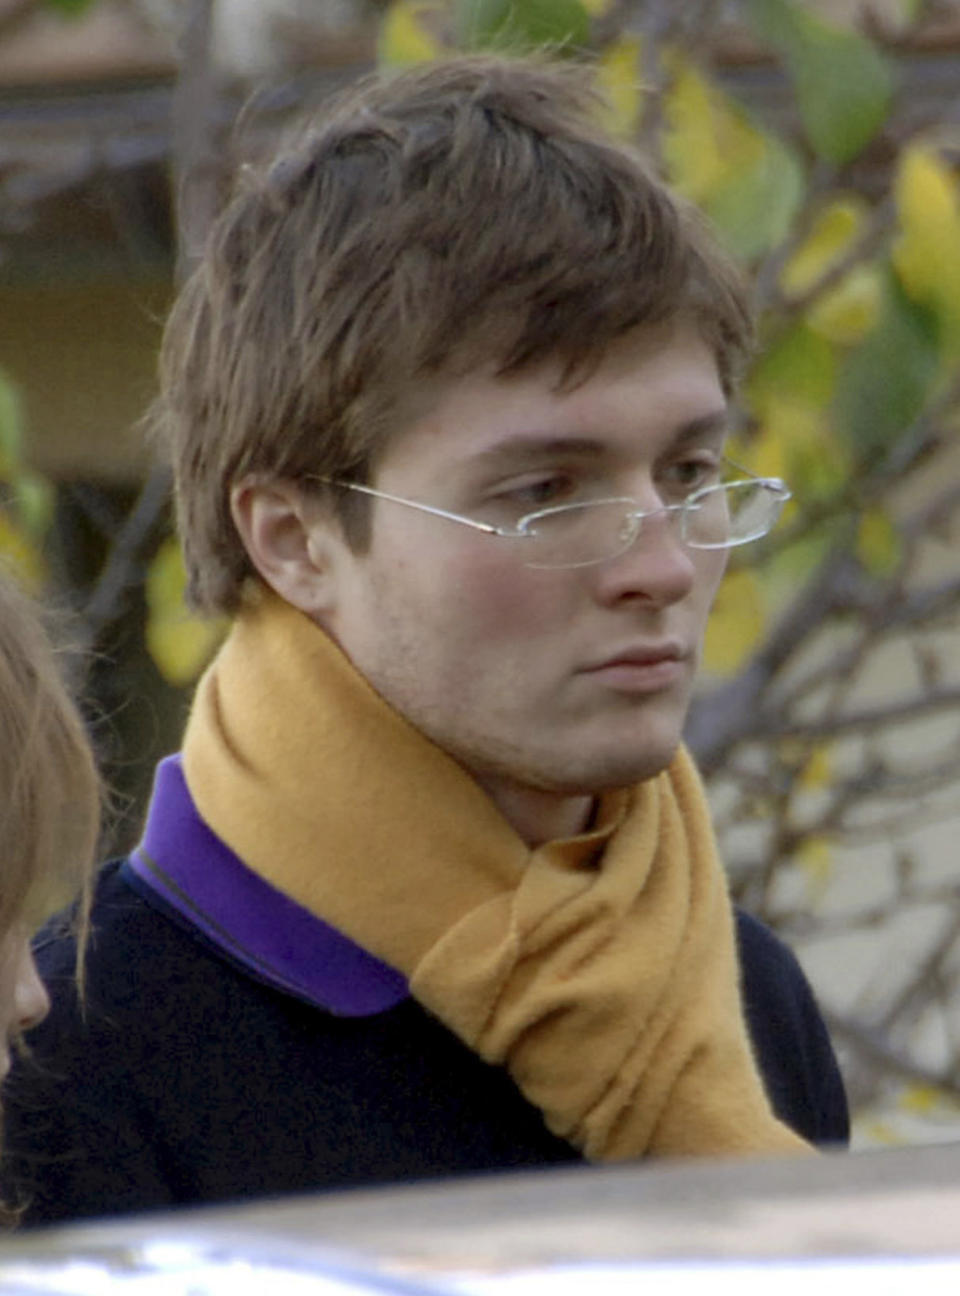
187, 1080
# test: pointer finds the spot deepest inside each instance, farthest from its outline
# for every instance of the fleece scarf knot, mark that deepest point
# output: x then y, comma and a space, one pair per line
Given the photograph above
601, 971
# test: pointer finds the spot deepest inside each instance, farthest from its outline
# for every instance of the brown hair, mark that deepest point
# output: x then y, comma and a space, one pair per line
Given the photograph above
464, 212
49, 790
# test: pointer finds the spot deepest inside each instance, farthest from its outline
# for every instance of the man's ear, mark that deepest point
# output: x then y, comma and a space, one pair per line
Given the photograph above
290, 541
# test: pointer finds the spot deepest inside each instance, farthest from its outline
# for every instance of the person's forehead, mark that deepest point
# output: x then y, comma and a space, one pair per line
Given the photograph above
659, 380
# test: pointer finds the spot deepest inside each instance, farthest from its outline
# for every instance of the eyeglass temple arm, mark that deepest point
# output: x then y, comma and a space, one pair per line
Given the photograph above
486, 527
775, 483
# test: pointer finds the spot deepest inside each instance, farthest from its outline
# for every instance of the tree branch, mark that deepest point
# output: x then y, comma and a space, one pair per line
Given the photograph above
879, 1051
869, 719
122, 568
196, 167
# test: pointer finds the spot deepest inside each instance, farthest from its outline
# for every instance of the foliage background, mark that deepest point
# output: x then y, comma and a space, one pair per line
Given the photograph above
828, 724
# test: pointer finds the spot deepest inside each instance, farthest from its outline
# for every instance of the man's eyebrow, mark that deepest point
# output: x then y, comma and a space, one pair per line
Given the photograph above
527, 446
707, 425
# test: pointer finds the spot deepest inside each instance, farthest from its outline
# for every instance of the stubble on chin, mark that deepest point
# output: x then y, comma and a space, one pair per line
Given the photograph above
567, 769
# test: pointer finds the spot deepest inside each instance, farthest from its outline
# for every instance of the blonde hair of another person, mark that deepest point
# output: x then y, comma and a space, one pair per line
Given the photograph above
49, 808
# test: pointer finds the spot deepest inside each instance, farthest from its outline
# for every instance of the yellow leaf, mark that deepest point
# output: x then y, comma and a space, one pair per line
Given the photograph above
791, 753
927, 205
818, 769
748, 181
19, 552
596, 7
927, 253
790, 394
878, 543
736, 624
835, 229
814, 858
846, 314
180, 643
797, 443
696, 125
618, 77
766, 455
921, 1099
404, 37
808, 763
879, 1133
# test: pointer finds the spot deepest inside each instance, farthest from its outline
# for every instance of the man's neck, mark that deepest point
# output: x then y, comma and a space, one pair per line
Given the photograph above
539, 816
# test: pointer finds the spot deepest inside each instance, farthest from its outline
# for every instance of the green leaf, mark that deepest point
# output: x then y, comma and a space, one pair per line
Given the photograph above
793, 566
843, 83
521, 24
888, 379
70, 8
35, 502
755, 209
800, 365
819, 470
747, 180
10, 427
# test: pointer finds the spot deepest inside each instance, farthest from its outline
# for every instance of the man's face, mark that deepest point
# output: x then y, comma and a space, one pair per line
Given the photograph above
567, 681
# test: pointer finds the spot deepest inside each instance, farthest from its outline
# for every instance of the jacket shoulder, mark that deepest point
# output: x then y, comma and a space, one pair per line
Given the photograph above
790, 1038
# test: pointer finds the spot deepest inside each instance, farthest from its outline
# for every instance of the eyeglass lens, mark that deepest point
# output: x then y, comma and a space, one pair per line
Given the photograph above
718, 518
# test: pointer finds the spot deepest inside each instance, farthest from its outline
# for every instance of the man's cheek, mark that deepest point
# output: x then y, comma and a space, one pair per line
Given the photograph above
709, 578
488, 595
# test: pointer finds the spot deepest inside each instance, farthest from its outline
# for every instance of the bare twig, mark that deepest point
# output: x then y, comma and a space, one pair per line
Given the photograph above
906, 1001
196, 167
122, 568
736, 711
196, 171
870, 719
15, 13
878, 1050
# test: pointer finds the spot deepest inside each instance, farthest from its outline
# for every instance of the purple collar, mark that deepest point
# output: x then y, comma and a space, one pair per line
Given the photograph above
182, 865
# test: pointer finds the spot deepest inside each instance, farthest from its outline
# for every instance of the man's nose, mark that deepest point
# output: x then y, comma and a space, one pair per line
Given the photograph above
657, 565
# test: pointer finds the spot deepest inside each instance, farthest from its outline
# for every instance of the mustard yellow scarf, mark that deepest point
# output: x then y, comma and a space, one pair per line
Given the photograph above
608, 987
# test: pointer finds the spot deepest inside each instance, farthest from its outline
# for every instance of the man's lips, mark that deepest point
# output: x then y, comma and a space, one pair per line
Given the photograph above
641, 668
641, 655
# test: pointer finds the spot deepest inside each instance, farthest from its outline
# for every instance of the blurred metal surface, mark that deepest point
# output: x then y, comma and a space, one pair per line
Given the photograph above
895, 1212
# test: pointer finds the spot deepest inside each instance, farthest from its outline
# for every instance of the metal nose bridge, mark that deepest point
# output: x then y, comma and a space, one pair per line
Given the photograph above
633, 521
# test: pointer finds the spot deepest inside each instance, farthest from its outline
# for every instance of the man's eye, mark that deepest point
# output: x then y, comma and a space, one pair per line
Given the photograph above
541, 492
687, 475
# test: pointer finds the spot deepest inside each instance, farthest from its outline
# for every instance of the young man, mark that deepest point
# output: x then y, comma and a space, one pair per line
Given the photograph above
432, 887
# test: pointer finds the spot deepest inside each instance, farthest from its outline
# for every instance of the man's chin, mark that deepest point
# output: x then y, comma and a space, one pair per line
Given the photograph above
606, 772
622, 749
